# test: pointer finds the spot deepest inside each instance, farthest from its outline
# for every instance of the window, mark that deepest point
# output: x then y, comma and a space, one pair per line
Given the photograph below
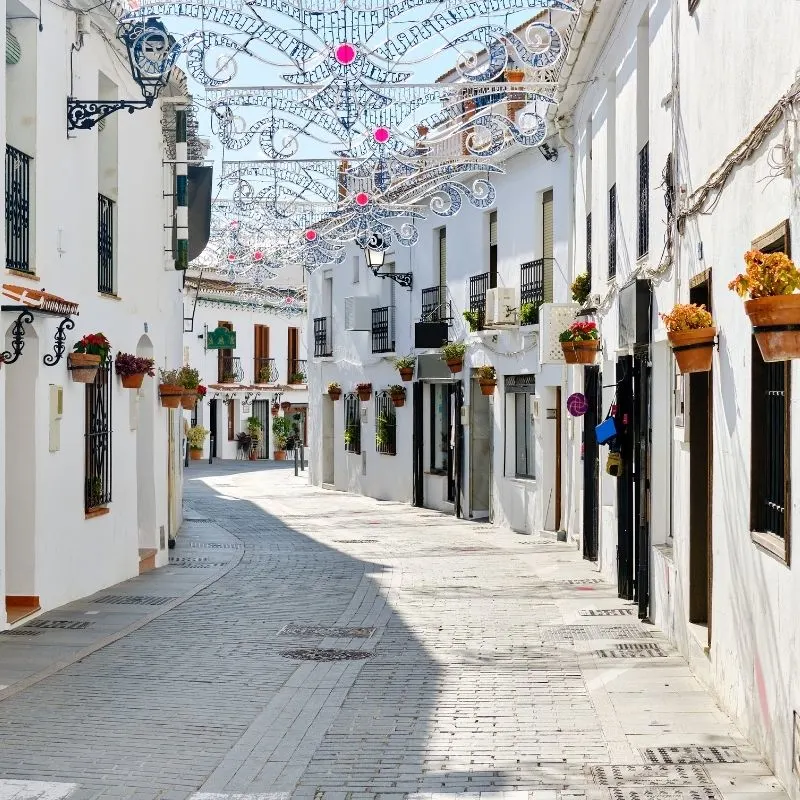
264, 370
231, 421
97, 456
352, 423
385, 424
226, 367
612, 231
440, 428
18, 210
643, 237
493, 250
520, 441
105, 245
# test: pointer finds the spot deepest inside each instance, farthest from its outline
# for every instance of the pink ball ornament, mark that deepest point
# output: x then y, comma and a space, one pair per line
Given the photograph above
345, 53
258, 256
231, 257
381, 135
362, 198
311, 236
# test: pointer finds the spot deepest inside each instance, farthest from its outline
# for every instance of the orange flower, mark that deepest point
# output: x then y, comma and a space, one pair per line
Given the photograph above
766, 275
687, 317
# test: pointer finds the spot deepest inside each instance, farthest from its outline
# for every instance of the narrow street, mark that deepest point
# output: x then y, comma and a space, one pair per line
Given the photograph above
332, 647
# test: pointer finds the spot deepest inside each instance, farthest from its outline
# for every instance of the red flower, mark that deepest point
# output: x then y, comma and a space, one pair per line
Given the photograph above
201, 390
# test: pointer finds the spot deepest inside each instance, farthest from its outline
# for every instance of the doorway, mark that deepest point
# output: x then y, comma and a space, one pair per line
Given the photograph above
480, 453
145, 455
623, 415
591, 463
328, 474
701, 451
213, 413
261, 410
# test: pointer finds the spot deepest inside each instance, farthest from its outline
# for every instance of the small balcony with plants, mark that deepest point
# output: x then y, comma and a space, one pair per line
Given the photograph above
297, 372
265, 371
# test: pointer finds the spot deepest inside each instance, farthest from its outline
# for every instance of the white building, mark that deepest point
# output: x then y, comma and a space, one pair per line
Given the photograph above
91, 474
262, 373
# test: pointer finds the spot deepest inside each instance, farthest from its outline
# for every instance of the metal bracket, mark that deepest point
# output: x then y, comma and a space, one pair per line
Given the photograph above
403, 279
85, 114
17, 337
51, 359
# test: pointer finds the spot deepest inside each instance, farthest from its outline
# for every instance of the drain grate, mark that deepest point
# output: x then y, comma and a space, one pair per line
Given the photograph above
326, 630
196, 563
580, 581
21, 632
59, 624
650, 775
216, 545
132, 600
585, 632
356, 541
692, 754
605, 612
649, 650
666, 793
199, 521
317, 654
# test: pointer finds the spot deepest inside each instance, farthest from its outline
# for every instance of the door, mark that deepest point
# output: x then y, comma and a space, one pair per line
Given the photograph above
261, 410
623, 442
558, 459
294, 350
456, 470
261, 372
418, 445
328, 461
213, 413
642, 425
480, 454
591, 463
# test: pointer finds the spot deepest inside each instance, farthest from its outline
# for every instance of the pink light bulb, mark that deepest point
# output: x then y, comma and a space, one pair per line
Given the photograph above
311, 236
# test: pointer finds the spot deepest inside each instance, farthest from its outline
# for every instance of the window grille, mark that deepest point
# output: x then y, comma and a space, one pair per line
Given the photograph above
97, 453
322, 342
478, 286
105, 245
352, 423
383, 330
643, 237
434, 305
493, 250
523, 434
531, 282
612, 231
18, 210
385, 424
443, 257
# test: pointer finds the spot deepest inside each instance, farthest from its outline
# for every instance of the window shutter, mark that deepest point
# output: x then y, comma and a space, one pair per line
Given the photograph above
13, 48
547, 244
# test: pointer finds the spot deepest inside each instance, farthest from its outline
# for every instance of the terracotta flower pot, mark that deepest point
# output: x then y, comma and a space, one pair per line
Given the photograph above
456, 365
279, 455
188, 399
286, 406
274, 410
694, 349
195, 453
406, 373
253, 455
364, 394
170, 395
770, 317
569, 352
585, 352
133, 381
83, 366
398, 400
487, 386
334, 394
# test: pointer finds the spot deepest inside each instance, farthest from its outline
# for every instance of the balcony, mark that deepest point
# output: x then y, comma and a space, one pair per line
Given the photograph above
383, 329
478, 286
322, 338
18, 210
531, 282
435, 305
297, 371
229, 369
265, 370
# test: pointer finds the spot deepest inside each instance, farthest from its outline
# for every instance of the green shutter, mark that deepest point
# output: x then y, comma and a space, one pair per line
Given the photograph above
547, 244
13, 48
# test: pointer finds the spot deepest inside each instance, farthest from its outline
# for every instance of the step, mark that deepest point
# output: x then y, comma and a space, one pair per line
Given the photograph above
147, 559
20, 606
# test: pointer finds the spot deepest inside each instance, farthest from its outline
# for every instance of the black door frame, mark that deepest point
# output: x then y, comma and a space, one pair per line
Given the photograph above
592, 387
418, 445
642, 425
213, 409
625, 499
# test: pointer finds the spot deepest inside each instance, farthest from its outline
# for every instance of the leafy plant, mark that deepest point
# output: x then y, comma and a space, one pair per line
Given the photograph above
297, 377
94, 491
486, 373
349, 436
196, 435
264, 375
454, 351
767, 275
281, 430
126, 364
581, 288
94, 344
396, 390
228, 377
382, 431
687, 317
188, 377
580, 332
473, 319
244, 441
254, 426
169, 377
334, 385
363, 387
529, 313
405, 362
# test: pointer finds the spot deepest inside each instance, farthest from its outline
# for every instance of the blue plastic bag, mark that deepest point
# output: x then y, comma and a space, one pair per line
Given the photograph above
606, 430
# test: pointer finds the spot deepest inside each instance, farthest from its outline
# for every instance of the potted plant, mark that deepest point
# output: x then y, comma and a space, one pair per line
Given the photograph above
132, 369
244, 442
580, 343
264, 375
281, 431
88, 354
334, 390
297, 377
228, 377
189, 379
274, 409
473, 319
254, 428
169, 389
405, 366
453, 354
201, 391
286, 405
487, 378
771, 281
581, 288
398, 395
364, 391
94, 491
691, 332
196, 436
529, 313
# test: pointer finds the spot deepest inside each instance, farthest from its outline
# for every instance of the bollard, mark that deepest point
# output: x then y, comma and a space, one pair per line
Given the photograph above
210, 448
295, 462
186, 453
302, 459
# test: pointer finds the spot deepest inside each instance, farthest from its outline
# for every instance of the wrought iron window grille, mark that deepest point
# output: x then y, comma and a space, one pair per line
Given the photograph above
531, 282
385, 425
589, 245
352, 423
322, 342
105, 245
643, 237
265, 370
97, 458
612, 231
435, 305
478, 286
18, 209
383, 329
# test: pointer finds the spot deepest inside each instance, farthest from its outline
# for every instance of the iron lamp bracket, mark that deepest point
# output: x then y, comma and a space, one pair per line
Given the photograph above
85, 114
404, 279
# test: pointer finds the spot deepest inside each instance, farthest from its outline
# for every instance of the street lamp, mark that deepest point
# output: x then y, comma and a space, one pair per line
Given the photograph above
375, 256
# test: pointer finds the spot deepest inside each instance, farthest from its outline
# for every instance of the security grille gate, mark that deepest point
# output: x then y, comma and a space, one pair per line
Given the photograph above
352, 423
385, 424
97, 454
18, 208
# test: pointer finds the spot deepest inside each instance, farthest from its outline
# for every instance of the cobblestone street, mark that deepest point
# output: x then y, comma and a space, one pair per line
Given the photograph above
310, 644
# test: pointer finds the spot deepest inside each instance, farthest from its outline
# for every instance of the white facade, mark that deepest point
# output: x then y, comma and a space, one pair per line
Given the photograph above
55, 549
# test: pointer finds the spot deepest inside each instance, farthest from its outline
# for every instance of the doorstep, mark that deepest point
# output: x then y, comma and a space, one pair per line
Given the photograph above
147, 559
18, 607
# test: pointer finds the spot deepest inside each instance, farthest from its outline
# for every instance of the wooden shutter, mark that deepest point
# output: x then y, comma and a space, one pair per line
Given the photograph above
293, 350
224, 356
547, 244
260, 350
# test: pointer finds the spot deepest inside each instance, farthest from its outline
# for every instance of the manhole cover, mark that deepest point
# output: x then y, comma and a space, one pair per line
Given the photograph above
132, 600
634, 651
355, 541
316, 654
196, 563
585, 632
326, 630
21, 632
605, 612
650, 775
59, 624
692, 754
666, 793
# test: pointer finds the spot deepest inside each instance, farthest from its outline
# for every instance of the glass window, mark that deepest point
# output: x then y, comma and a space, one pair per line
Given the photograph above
523, 435
440, 427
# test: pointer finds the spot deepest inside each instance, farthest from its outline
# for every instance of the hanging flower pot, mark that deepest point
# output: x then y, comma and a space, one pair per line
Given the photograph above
580, 343
398, 395
170, 394
569, 353
286, 405
487, 378
586, 352
189, 399
334, 391
453, 355
134, 381
364, 391
691, 332
405, 366
275, 409
406, 373
132, 369
83, 367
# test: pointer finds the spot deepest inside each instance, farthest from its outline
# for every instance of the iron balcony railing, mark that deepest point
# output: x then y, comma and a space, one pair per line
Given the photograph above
383, 329
297, 371
105, 245
18, 210
265, 370
435, 305
478, 286
230, 369
643, 238
531, 282
322, 338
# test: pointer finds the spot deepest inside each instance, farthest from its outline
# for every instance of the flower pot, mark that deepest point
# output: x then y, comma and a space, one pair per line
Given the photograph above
693, 349
398, 400
771, 316
286, 406
188, 399
83, 366
364, 393
133, 381
253, 455
455, 365
170, 395
581, 352
569, 352
334, 394
274, 410
279, 455
406, 373
487, 386
195, 453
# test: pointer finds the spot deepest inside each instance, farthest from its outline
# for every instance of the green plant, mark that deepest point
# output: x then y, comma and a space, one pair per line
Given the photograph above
396, 390
334, 385
264, 375
126, 364
687, 317
94, 344
254, 426
382, 431
580, 332
228, 377
281, 430
94, 491
188, 377
297, 377
405, 362
349, 436
196, 436
529, 313
454, 351
581, 288
169, 377
767, 275
473, 319
486, 373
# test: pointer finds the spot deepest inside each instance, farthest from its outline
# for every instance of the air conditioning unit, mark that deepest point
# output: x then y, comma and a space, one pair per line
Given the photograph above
358, 313
501, 307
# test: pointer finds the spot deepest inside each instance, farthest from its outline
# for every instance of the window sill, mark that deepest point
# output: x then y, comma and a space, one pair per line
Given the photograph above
100, 511
440, 473
521, 479
771, 544
109, 296
21, 273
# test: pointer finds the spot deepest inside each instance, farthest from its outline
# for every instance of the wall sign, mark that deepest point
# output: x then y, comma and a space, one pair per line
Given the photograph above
220, 339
